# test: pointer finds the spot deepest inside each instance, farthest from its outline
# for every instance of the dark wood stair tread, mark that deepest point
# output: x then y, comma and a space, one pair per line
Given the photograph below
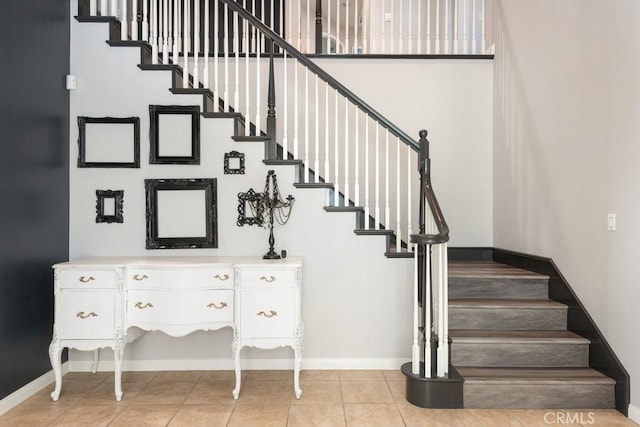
515, 336
488, 270
532, 375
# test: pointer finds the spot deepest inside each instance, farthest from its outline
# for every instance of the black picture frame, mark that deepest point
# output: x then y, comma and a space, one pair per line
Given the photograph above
155, 115
83, 142
118, 201
154, 237
228, 168
250, 202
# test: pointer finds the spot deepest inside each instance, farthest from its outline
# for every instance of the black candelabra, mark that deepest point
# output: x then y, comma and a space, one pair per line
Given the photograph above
274, 209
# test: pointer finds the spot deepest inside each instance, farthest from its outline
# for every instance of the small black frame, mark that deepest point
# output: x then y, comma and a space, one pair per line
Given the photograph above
154, 240
253, 201
155, 114
118, 198
82, 142
231, 170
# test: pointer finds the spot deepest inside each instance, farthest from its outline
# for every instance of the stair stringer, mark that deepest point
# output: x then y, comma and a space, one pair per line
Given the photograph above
208, 111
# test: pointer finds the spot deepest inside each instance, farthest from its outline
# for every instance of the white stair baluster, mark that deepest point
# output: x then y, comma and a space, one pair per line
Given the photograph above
409, 197
392, 34
236, 53
205, 73
337, 30
186, 39
134, 20
165, 34
427, 312
336, 170
295, 110
196, 43
483, 12
437, 24
326, 132
401, 29
410, 29
328, 29
346, 29
145, 20
428, 42
447, 27
316, 164
285, 128
456, 41
306, 125
474, 27
376, 217
176, 30
308, 27
465, 46
93, 8
103, 8
225, 47
398, 199
355, 28
216, 64
367, 210
387, 207
153, 37
415, 348
347, 185
356, 160
113, 8
419, 26
247, 92
258, 77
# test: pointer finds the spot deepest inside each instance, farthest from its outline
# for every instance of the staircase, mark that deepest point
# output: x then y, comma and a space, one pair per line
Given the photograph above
511, 345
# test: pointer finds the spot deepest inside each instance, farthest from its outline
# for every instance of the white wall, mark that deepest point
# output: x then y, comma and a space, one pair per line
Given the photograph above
566, 151
355, 302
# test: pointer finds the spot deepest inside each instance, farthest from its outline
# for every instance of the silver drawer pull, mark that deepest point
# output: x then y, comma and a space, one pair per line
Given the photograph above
223, 277
83, 315
271, 313
84, 279
143, 306
218, 306
268, 279
139, 277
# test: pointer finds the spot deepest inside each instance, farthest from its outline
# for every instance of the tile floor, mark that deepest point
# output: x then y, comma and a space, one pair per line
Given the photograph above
329, 398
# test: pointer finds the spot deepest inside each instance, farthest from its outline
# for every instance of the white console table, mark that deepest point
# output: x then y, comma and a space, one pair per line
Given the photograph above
98, 300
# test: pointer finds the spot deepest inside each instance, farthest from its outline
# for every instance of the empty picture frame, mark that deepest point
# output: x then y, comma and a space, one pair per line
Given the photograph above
109, 206
181, 213
234, 163
250, 209
174, 133
108, 142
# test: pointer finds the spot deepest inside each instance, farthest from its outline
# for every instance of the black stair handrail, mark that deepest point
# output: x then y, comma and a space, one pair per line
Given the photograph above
427, 193
326, 77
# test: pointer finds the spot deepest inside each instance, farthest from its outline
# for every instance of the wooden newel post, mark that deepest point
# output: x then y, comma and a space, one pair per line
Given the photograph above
423, 169
318, 26
270, 147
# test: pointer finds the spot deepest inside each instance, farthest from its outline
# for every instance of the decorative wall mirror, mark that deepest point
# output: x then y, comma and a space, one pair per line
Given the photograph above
108, 142
181, 213
109, 206
234, 163
250, 208
174, 131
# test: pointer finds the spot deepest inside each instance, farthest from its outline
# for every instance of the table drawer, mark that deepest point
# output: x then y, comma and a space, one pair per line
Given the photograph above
187, 278
164, 307
85, 315
268, 278
268, 314
87, 279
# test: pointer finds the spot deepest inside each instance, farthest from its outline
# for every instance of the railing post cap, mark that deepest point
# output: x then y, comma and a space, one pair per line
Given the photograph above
423, 134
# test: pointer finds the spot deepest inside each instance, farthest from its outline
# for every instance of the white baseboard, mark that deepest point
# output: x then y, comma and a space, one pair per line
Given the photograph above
25, 392
634, 413
246, 364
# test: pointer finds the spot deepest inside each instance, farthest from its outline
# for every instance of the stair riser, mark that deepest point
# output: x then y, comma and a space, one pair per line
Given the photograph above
539, 396
507, 318
519, 355
498, 288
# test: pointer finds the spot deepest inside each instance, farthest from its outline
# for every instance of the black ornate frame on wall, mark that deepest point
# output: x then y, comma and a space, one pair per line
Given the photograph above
250, 201
118, 198
155, 114
82, 142
228, 169
154, 235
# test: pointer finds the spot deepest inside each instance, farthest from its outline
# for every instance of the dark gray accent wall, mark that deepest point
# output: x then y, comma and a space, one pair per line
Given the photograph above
34, 181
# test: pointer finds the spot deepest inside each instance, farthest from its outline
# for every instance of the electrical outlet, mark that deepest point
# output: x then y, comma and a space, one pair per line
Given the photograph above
611, 222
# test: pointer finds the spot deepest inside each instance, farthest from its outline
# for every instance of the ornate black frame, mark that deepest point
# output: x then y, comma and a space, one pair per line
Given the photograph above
154, 116
153, 241
82, 142
257, 209
233, 155
118, 196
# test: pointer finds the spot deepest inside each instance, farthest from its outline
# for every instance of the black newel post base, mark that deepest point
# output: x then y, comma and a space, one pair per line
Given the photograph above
444, 393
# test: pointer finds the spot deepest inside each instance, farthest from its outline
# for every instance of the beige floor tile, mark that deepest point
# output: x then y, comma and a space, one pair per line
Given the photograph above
537, 418
318, 376
321, 392
366, 392
70, 394
316, 415
372, 415
104, 394
488, 418
266, 392
145, 416
98, 377
134, 377
416, 416
398, 391
163, 393
33, 415
259, 415
202, 415
177, 376
394, 375
573, 417
225, 376
87, 416
213, 392
360, 375
270, 376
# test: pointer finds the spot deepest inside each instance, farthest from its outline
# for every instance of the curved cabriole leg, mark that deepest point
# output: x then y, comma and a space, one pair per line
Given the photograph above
118, 352
297, 353
96, 358
235, 348
54, 355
